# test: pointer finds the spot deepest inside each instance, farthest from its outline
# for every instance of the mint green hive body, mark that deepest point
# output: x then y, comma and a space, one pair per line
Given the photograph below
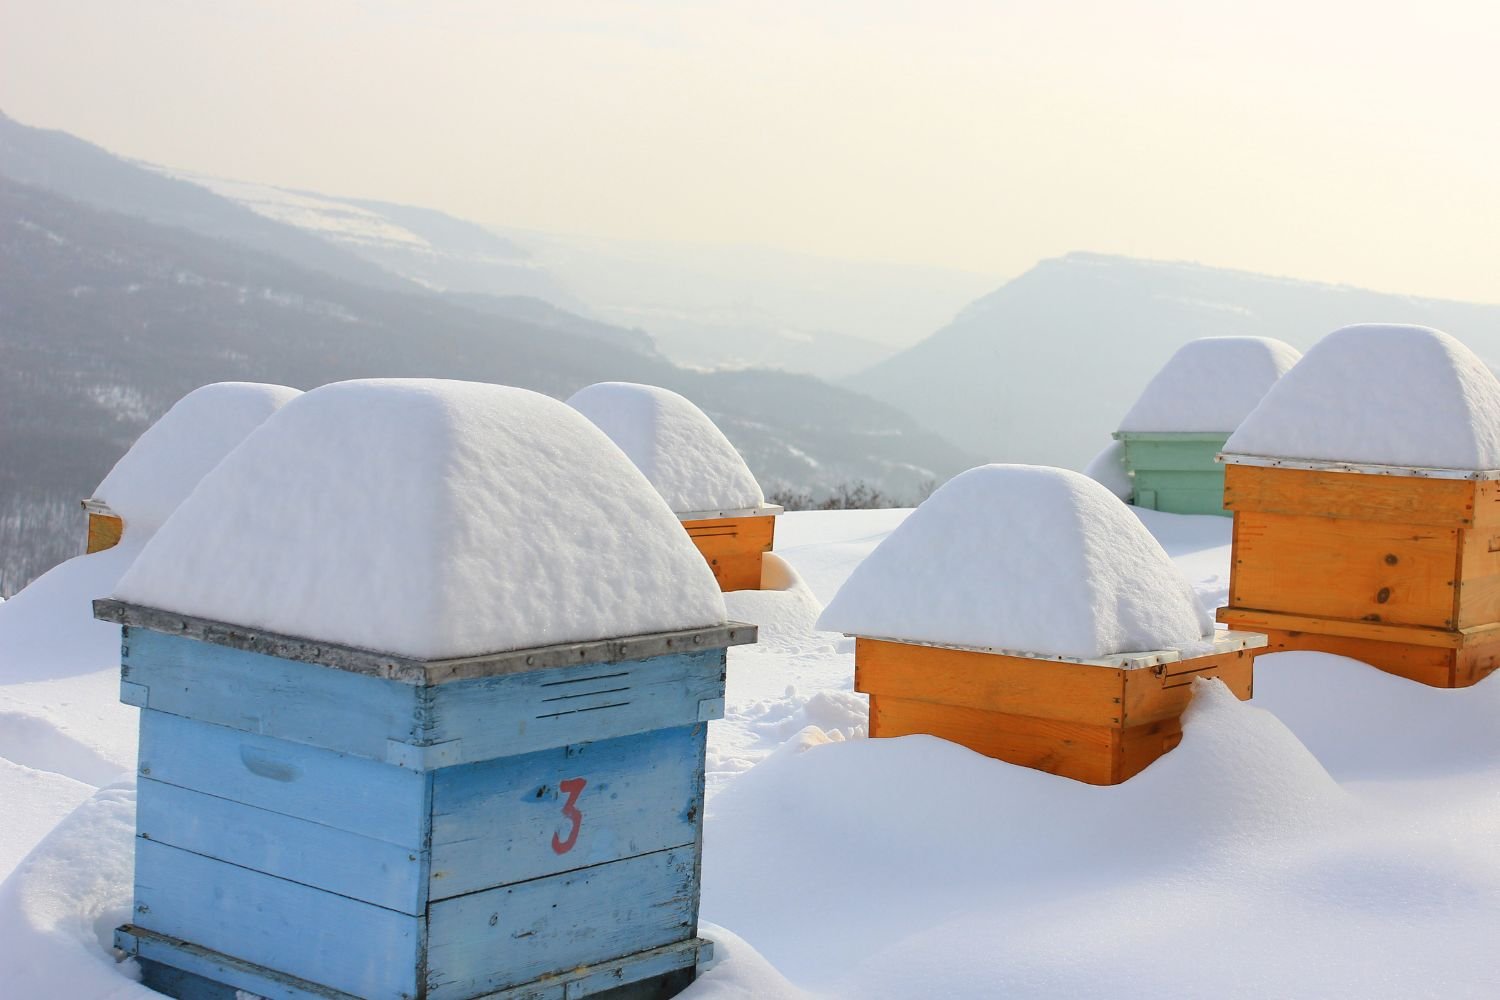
1175, 471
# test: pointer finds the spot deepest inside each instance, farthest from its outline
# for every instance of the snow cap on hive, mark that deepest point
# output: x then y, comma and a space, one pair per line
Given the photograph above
1381, 395
430, 519
1210, 385
168, 460
674, 444
1025, 559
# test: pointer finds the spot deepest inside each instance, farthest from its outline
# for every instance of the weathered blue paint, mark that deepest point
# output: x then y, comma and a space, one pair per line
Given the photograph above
311, 832
510, 935
643, 793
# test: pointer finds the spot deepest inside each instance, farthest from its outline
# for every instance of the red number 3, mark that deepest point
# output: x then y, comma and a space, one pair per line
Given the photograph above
570, 809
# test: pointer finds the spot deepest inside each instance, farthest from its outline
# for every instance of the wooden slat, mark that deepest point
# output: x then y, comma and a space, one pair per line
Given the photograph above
1073, 750
498, 822
1258, 620
104, 532
1141, 746
189, 972
1344, 568
1479, 577
1069, 692
488, 941
325, 938
1440, 503
733, 548
1430, 665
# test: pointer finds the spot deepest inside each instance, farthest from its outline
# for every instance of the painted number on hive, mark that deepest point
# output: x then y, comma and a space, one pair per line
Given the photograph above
572, 786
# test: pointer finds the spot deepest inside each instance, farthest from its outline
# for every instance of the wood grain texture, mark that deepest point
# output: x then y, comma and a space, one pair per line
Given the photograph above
324, 938
1435, 666
1433, 503
488, 941
733, 548
104, 532
494, 823
1374, 571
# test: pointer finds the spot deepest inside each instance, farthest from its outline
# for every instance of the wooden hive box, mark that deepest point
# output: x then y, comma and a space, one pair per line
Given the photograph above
1097, 721
733, 542
104, 526
317, 821
1397, 567
1175, 472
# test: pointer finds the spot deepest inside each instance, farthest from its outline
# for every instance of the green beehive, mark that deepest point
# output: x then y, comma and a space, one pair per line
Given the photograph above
1172, 435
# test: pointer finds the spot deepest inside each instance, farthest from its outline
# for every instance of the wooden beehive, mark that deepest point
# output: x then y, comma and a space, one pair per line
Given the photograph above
1097, 721
733, 542
1175, 471
104, 526
1397, 567
318, 821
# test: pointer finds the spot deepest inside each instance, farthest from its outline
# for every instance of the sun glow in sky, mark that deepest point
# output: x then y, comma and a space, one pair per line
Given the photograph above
1341, 141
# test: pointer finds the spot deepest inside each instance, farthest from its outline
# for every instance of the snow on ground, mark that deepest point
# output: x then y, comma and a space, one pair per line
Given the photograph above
1210, 384
1334, 838
674, 444
1380, 395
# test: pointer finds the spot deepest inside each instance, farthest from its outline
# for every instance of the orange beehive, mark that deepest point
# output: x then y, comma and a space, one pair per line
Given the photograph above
1100, 721
104, 526
733, 542
1397, 567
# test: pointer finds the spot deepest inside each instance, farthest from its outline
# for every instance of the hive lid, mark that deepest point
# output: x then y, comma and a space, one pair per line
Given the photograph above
1210, 385
427, 519
675, 445
1015, 557
168, 460
1406, 398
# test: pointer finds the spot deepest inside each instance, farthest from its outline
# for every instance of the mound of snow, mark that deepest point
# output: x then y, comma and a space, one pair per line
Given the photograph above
1022, 558
1382, 395
1210, 385
428, 518
678, 448
168, 460
1108, 470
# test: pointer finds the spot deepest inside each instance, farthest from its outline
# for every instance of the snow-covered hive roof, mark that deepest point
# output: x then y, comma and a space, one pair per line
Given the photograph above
1380, 395
1025, 559
1210, 385
429, 519
168, 460
678, 448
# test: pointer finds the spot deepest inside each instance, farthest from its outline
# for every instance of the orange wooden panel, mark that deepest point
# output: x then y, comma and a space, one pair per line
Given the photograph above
1140, 746
1342, 568
1164, 692
1070, 692
104, 532
1476, 663
1256, 620
1424, 664
1073, 750
1479, 577
1443, 503
733, 548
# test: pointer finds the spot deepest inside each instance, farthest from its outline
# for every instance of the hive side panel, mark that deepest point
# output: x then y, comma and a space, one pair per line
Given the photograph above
1141, 746
349, 793
1354, 570
288, 699
1068, 692
1431, 665
1478, 597
316, 855
555, 810
521, 713
733, 548
351, 946
487, 941
104, 532
1434, 503
1073, 750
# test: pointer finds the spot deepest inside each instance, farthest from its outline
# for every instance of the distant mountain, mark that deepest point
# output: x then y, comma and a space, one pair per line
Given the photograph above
1042, 369
105, 320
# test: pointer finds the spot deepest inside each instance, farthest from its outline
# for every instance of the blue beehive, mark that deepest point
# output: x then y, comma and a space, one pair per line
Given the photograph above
318, 819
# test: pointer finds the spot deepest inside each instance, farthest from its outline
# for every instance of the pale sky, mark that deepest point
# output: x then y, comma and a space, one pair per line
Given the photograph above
1341, 141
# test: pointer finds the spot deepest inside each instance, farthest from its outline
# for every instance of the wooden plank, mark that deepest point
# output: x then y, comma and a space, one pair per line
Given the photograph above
518, 818
1164, 693
324, 938
1478, 597
522, 713
1257, 620
1428, 665
1475, 663
1344, 568
488, 941
347, 793
257, 693
1141, 746
323, 857
104, 531
1069, 692
189, 972
1435, 503
1070, 749
733, 548
1194, 453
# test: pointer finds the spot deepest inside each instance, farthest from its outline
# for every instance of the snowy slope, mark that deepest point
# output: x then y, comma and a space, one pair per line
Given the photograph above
1333, 839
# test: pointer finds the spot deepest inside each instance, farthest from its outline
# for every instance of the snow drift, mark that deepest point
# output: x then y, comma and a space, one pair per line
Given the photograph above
1210, 384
